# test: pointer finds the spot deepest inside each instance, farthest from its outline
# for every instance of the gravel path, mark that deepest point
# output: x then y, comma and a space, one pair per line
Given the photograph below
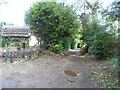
47, 72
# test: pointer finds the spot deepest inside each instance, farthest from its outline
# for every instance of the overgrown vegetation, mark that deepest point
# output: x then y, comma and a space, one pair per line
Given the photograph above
101, 39
103, 45
98, 39
55, 23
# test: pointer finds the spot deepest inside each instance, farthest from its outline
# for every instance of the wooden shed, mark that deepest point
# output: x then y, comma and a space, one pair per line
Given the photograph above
15, 32
9, 32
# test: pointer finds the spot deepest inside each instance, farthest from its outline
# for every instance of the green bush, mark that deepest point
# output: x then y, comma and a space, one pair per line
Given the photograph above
55, 23
58, 48
100, 46
116, 61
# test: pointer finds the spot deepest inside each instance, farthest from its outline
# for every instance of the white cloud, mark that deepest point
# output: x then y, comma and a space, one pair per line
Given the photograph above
14, 11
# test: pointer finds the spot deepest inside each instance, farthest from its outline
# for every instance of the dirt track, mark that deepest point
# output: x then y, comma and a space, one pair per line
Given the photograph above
47, 72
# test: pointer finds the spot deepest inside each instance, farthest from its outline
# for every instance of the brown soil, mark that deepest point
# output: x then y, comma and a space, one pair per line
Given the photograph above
48, 72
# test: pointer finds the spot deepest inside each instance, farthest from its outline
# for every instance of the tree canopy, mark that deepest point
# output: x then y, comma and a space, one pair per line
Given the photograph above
97, 27
54, 22
115, 10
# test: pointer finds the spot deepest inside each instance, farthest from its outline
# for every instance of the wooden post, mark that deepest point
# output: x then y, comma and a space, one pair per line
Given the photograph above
28, 42
69, 47
23, 46
26, 45
5, 42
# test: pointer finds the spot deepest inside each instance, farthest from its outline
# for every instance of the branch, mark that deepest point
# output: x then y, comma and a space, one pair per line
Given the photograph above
96, 3
88, 4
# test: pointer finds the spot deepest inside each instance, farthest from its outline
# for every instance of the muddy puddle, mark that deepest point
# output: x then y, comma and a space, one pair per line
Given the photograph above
70, 73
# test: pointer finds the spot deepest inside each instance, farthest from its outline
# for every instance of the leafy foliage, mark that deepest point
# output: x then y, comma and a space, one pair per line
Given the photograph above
98, 42
55, 23
115, 11
58, 48
98, 39
100, 46
89, 30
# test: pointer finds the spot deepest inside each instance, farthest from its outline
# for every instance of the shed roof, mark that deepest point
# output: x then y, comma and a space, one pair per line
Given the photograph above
15, 31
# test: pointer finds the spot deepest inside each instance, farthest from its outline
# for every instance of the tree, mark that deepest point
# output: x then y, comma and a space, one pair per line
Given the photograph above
90, 23
55, 23
111, 14
115, 11
115, 16
93, 31
93, 7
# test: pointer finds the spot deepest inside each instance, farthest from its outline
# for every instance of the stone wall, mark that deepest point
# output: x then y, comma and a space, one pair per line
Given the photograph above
14, 54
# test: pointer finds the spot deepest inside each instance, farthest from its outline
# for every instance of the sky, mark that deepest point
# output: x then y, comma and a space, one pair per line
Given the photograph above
14, 11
